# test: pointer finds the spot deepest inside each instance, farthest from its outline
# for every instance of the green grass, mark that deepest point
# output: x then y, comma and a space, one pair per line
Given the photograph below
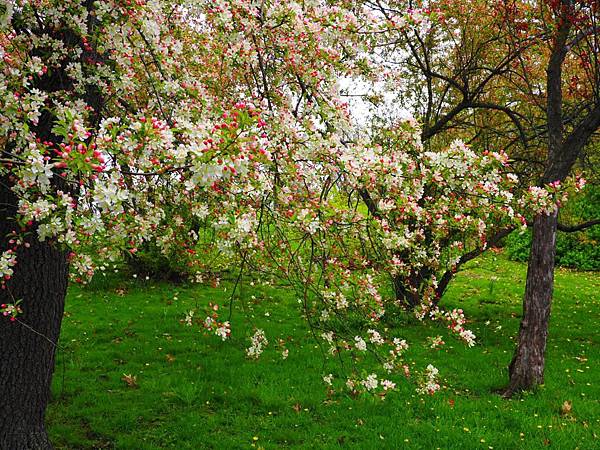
211, 396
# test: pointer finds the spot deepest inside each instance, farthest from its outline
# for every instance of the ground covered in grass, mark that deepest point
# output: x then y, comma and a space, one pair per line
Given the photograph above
131, 376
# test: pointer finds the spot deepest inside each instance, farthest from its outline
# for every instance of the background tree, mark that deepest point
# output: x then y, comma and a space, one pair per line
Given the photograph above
448, 69
485, 72
571, 121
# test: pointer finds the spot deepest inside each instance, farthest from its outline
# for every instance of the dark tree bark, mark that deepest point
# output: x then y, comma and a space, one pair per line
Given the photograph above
28, 345
527, 366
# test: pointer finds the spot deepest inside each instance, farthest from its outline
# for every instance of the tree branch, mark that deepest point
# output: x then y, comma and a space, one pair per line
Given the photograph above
449, 274
578, 227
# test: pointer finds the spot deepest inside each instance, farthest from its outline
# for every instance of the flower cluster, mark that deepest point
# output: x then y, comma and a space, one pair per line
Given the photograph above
435, 341
11, 310
258, 342
429, 384
211, 322
7, 262
546, 200
455, 319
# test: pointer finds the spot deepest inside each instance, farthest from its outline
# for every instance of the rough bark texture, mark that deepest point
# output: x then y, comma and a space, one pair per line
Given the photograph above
526, 369
28, 345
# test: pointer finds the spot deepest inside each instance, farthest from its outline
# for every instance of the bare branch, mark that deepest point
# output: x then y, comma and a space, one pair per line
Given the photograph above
578, 227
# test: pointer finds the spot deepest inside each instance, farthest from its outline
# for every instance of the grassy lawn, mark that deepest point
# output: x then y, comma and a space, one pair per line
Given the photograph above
194, 391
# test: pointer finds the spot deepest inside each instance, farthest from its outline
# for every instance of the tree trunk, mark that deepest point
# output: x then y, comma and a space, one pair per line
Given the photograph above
526, 369
405, 295
28, 345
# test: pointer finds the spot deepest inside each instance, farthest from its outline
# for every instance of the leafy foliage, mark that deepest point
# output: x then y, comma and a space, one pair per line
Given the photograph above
578, 250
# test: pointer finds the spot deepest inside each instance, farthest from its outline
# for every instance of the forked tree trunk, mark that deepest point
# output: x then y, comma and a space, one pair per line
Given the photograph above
28, 345
526, 369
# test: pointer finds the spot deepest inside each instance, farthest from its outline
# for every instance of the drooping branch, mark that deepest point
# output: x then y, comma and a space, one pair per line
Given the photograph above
441, 124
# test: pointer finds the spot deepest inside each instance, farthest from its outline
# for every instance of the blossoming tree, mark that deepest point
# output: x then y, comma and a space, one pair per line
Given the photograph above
335, 215
121, 122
